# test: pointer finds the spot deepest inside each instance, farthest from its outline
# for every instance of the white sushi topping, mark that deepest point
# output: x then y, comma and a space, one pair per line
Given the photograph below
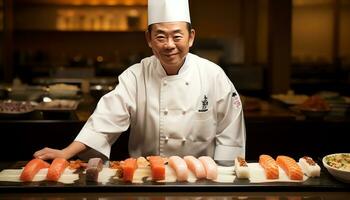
241, 168
309, 166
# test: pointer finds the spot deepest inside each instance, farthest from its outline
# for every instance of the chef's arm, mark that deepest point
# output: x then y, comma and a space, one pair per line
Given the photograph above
231, 135
71, 150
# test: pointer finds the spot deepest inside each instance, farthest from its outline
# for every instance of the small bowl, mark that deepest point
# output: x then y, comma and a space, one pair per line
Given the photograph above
340, 174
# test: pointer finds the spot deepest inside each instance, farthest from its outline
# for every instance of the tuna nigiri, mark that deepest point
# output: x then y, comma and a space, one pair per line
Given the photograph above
56, 169
210, 167
128, 167
290, 166
180, 167
195, 166
95, 165
32, 168
157, 167
270, 166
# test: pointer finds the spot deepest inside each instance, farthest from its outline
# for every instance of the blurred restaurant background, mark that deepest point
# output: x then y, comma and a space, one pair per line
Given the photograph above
289, 60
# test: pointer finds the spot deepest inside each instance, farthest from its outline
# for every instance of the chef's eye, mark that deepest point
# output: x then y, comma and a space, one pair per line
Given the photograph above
177, 37
160, 38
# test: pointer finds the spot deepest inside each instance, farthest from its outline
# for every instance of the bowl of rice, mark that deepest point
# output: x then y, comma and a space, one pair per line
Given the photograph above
338, 165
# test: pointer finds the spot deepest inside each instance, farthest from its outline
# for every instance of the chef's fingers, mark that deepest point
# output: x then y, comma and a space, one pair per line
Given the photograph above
46, 153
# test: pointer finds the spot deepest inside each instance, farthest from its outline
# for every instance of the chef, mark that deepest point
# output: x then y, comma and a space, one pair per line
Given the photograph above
175, 103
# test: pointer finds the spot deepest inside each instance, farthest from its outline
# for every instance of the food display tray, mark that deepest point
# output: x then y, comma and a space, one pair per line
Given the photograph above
323, 183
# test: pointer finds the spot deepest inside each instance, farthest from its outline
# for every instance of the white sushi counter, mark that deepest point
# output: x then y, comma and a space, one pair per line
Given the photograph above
322, 188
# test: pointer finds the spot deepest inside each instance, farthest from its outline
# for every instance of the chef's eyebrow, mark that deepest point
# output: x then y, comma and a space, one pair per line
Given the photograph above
160, 31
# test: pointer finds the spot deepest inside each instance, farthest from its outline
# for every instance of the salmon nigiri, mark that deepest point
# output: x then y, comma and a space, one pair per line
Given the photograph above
270, 166
56, 169
129, 167
32, 168
290, 166
210, 167
180, 167
195, 166
157, 167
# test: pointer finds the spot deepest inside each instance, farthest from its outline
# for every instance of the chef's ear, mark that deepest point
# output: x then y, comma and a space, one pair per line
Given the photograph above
148, 38
192, 36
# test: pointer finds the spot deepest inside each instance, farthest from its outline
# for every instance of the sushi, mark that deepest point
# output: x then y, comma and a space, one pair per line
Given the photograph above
180, 167
95, 165
290, 166
210, 167
241, 168
195, 166
129, 167
309, 166
56, 169
270, 166
157, 167
32, 168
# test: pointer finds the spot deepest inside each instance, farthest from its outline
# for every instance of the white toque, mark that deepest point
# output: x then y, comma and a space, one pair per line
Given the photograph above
168, 11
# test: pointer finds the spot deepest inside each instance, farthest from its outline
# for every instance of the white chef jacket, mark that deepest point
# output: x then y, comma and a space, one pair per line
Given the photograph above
196, 112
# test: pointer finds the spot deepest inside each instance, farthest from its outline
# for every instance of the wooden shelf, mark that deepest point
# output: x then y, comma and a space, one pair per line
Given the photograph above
94, 3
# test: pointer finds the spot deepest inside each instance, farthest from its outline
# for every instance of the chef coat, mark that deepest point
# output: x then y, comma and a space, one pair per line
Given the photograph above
196, 112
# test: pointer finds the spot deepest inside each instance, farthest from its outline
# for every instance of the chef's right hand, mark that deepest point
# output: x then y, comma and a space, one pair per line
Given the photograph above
49, 154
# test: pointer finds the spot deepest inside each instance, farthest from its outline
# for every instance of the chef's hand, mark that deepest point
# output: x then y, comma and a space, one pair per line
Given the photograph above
66, 153
49, 154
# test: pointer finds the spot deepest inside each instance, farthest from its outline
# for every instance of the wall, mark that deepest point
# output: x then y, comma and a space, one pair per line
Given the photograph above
312, 32
345, 31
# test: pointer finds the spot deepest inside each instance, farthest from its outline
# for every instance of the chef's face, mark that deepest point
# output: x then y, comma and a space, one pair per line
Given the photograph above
170, 43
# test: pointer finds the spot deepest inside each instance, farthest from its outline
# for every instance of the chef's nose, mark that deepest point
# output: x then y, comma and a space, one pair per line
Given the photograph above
170, 43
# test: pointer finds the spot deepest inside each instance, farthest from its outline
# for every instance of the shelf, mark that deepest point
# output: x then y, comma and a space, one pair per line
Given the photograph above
35, 31
81, 18
93, 3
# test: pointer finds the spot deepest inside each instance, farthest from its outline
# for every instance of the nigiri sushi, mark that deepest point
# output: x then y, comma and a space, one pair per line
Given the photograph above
32, 168
95, 165
210, 167
179, 165
157, 167
241, 168
195, 166
309, 166
290, 166
56, 169
270, 166
129, 167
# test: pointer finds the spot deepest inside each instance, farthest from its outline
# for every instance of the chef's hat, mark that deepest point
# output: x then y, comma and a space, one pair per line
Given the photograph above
168, 11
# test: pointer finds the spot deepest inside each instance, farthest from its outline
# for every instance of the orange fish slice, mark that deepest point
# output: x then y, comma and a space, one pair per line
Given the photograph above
270, 166
129, 166
290, 166
32, 168
157, 167
56, 169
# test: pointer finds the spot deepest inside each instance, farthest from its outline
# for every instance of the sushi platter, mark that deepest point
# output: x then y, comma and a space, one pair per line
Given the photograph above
173, 174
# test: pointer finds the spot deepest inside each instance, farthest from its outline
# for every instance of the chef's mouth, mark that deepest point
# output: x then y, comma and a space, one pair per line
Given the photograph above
170, 55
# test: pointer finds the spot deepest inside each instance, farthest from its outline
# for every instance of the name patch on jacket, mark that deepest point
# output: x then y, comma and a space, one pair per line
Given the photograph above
204, 107
236, 100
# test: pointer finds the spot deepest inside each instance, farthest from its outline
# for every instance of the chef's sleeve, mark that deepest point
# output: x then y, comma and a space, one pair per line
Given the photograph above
231, 133
110, 118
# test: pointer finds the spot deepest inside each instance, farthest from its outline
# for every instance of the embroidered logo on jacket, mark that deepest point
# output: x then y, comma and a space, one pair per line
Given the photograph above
236, 101
204, 104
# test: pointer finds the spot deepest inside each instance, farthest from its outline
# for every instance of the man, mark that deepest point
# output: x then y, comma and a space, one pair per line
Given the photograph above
175, 103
